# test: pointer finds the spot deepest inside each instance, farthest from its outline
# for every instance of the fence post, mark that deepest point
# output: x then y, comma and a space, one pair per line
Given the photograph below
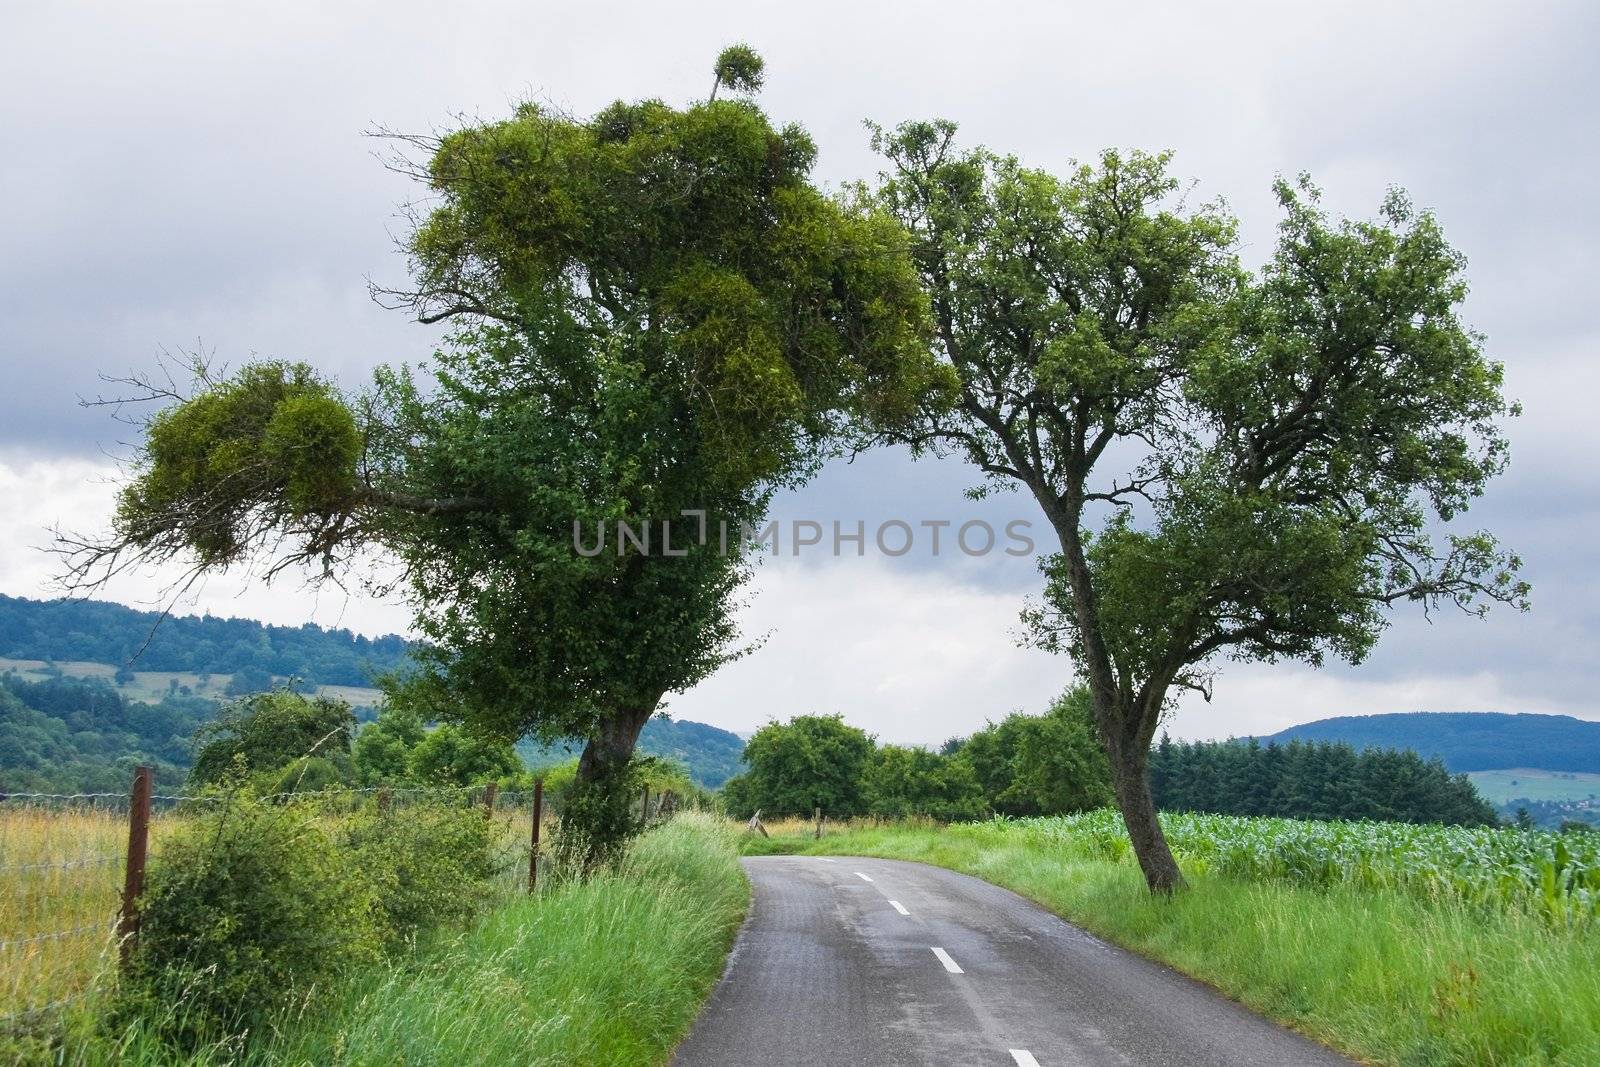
819, 823
644, 806
138, 848
533, 852
383, 801
490, 791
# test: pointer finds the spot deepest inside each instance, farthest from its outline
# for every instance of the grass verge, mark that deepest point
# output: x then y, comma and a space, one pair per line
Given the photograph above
1382, 976
611, 970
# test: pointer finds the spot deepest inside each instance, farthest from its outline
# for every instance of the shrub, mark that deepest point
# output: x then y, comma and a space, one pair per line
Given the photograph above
245, 910
428, 866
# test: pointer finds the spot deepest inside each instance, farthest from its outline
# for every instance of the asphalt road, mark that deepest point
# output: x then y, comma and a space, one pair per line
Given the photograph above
864, 961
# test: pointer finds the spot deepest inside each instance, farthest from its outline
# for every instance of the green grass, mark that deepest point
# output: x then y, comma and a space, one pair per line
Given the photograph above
607, 971
1382, 975
1501, 787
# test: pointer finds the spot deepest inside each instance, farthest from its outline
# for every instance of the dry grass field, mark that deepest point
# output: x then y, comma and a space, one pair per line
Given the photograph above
61, 877
61, 871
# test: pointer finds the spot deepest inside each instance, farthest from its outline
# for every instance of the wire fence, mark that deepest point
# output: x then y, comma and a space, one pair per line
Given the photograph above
69, 863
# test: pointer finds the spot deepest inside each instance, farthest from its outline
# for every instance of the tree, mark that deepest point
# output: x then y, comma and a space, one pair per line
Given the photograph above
1267, 454
450, 755
1047, 764
382, 749
657, 320
901, 782
809, 762
263, 734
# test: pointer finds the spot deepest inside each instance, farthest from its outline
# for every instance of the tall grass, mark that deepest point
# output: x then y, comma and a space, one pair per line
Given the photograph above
61, 871
606, 970
1385, 974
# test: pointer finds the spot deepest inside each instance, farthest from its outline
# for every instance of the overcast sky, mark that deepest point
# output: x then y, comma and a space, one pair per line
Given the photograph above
195, 175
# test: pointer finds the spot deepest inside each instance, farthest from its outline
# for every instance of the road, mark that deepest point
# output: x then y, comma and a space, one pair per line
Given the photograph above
866, 961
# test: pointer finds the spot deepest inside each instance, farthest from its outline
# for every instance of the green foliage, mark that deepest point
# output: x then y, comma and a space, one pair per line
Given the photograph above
739, 68
428, 866
1275, 450
901, 782
612, 969
655, 312
71, 735
245, 910
811, 761
273, 447
383, 748
451, 755
1047, 764
1318, 780
97, 631
599, 814
399, 747
265, 735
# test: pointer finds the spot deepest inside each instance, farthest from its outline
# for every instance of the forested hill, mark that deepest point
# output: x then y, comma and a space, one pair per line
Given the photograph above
102, 632
1467, 741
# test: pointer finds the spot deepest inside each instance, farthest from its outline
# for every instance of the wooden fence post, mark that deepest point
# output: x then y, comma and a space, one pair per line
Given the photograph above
138, 849
644, 806
383, 800
490, 791
819, 824
533, 852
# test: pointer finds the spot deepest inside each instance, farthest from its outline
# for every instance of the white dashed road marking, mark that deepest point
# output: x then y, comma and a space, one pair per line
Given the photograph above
1024, 1058
897, 906
949, 964
863, 877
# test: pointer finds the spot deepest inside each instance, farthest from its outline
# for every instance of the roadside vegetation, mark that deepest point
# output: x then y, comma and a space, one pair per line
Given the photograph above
288, 938
1053, 764
608, 969
1395, 944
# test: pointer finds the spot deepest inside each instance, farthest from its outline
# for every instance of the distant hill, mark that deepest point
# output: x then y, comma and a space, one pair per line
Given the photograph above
1467, 741
711, 754
101, 632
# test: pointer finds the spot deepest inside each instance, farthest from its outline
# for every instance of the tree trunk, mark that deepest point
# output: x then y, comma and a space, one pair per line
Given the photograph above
611, 746
598, 817
1131, 781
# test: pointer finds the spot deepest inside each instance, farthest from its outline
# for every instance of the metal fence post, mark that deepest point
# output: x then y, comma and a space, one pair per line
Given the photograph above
138, 849
533, 852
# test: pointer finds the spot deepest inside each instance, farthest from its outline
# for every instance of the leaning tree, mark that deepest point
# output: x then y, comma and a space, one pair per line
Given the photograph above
1235, 463
655, 318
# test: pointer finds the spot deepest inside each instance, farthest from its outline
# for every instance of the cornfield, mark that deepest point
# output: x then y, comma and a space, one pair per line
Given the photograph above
1556, 876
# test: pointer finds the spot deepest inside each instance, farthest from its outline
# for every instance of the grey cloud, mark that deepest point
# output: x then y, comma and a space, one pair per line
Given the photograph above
199, 174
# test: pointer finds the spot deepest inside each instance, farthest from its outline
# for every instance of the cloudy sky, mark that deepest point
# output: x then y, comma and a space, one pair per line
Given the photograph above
183, 175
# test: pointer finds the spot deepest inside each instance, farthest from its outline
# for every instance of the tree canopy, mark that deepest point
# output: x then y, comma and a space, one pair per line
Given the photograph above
1269, 455
656, 318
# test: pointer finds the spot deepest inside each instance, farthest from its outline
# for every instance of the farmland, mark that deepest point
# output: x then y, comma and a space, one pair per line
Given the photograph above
152, 686
1525, 783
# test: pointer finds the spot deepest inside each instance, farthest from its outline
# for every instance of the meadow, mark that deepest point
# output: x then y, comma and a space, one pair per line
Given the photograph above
1396, 944
151, 687
608, 969
1524, 783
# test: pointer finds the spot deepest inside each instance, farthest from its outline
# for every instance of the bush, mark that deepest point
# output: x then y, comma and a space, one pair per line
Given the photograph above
427, 866
245, 910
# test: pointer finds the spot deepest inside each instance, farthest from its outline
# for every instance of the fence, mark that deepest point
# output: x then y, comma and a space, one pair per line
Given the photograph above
72, 868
